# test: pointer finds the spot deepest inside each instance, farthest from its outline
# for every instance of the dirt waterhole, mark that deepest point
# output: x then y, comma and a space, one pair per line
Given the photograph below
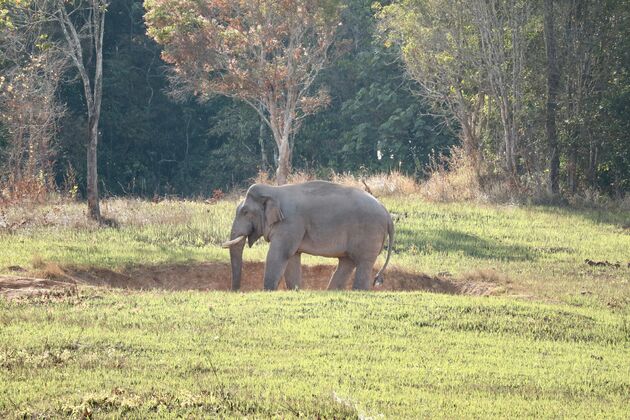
217, 276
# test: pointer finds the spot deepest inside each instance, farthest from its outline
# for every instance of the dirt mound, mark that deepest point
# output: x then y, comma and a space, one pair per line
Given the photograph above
217, 276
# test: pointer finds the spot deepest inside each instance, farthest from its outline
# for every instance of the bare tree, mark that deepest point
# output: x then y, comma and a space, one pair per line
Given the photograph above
500, 24
266, 53
84, 20
29, 107
553, 86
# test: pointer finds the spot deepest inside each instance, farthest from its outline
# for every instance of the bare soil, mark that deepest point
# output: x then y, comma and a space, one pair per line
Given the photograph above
13, 287
217, 276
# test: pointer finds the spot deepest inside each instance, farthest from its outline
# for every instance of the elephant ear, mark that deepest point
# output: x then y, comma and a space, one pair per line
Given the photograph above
273, 213
264, 195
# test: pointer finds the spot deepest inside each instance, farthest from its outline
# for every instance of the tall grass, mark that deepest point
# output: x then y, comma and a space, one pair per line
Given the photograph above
380, 185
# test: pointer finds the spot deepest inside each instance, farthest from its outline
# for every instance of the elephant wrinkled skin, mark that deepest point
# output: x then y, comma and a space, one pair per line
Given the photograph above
317, 218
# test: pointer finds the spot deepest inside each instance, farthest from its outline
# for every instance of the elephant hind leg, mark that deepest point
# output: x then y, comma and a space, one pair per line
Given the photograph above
342, 274
293, 272
363, 276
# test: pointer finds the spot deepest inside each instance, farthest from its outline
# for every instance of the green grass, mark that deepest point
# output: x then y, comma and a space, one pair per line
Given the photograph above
542, 250
554, 343
535, 252
403, 355
148, 233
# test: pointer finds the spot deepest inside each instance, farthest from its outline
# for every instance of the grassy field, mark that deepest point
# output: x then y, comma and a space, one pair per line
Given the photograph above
533, 252
317, 354
553, 342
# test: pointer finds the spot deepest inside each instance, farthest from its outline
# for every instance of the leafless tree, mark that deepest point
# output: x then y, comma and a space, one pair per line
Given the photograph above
553, 86
82, 23
29, 106
500, 24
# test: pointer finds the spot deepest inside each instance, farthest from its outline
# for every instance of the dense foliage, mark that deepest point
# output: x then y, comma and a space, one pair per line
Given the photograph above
377, 117
152, 144
538, 86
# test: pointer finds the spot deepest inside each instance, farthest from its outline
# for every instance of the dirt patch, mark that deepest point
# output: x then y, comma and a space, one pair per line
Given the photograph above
217, 276
13, 287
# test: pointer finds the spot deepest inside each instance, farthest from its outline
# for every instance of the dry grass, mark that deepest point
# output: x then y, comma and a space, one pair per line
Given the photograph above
384, 184
452, 178
487, 274
380, 185
28, 190
459, 177
126, 211
591, 198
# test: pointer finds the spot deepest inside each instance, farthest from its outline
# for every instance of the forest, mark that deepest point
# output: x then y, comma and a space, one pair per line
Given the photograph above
131, 98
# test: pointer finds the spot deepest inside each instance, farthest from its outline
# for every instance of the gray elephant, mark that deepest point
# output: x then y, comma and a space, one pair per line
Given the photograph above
317, 218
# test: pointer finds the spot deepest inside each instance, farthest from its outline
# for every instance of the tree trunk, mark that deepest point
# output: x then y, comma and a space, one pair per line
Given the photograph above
264, 163
94, 211
510, 162
284, 161
553, 82
572, 166
93, 198
592, 163
95, 27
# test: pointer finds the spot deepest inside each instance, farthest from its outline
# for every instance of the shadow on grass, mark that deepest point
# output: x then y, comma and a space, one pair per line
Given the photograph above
450, 241
617, 218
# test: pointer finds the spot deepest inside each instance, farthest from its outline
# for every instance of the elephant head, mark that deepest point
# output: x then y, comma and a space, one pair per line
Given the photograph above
254, 218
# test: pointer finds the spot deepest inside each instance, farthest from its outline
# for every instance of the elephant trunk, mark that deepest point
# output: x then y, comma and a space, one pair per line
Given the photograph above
236, 245
236, 258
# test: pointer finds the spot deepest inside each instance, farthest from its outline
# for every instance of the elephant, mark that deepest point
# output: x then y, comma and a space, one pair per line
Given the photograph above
318, 218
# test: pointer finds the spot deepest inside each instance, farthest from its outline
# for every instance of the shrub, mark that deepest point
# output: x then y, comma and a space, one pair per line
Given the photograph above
453, 178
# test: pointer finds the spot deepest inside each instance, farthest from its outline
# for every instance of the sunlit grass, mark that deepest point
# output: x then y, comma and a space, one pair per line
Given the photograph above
541, 249
537, 252
147, 233
329, 355
403, 355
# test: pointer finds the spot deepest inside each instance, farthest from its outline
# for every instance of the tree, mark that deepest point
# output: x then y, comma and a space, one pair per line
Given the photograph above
81, 20
266, 53
500, 24
31, 67
440, 49
553, 85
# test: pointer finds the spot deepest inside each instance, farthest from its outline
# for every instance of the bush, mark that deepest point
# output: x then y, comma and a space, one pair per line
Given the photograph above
462, 177
452, 178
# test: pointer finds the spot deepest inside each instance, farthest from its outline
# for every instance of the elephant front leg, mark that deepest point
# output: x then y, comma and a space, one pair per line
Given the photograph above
277, 260
293, 272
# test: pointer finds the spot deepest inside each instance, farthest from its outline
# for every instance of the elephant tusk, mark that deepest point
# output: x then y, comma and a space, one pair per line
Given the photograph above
233, 241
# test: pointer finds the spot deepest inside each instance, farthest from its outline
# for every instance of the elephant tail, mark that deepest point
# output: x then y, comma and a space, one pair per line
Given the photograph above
378, 280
